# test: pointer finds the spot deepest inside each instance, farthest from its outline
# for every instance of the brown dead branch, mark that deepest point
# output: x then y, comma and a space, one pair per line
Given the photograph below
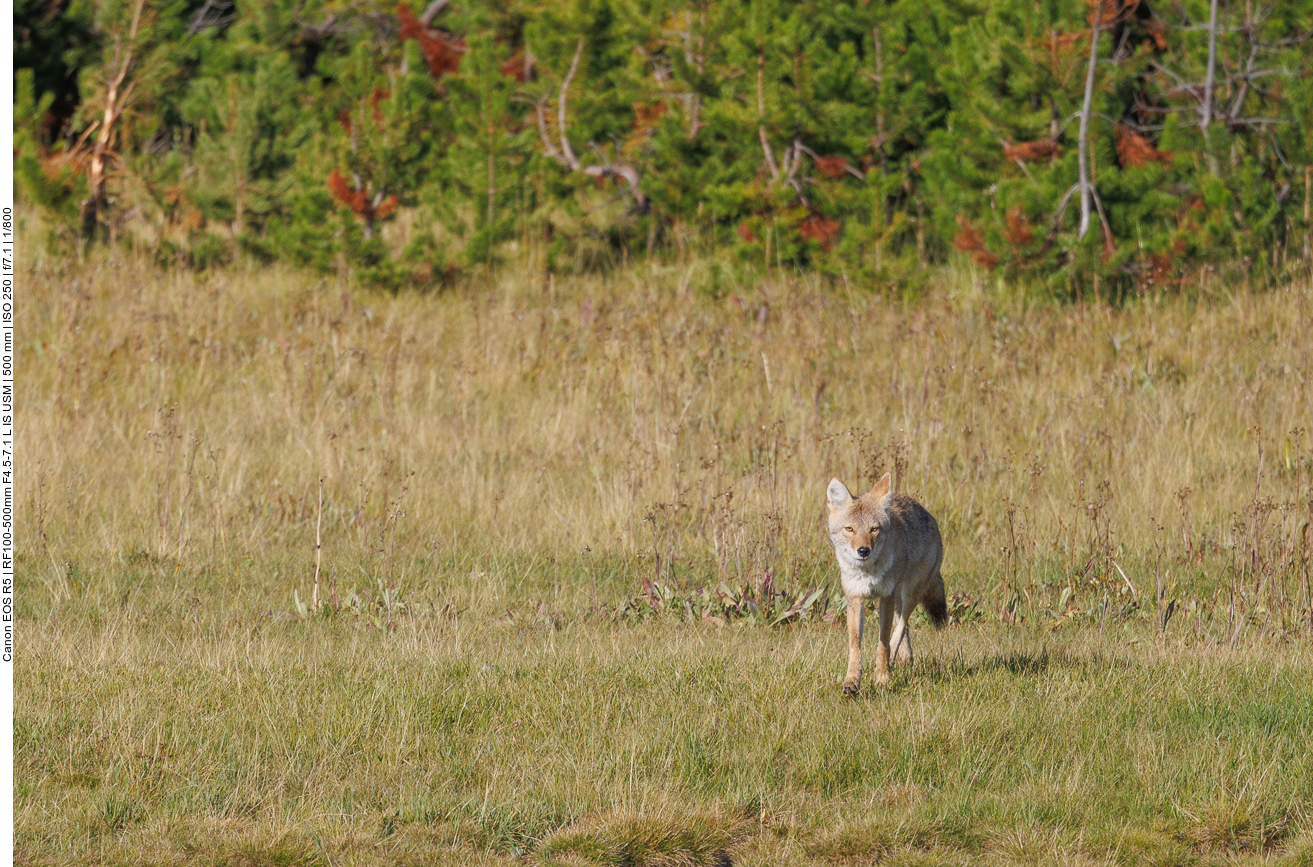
1134, 149
821, 229
426, 19
969, 241
442, 51
567, 152
1028, 151
370, 205
564, 153
116, 102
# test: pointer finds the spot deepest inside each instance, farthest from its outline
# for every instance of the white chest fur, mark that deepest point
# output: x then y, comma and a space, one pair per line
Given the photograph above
868, 579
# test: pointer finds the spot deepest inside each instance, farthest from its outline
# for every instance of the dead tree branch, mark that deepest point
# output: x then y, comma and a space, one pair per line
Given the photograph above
116, 102
1082, 150
567, 152
432, 12
564, 153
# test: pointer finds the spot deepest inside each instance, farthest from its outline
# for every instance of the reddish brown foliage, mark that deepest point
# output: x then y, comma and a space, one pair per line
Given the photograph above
1062, 42
821, 229
441, 52
1113, 12
1106, 10
969, 241
52, 164
646, 114
1134, 149
517, 67
1060, 46
1157, 32
358, 199
832, 167
745, 232
1017, 229
1031, 150
1163, 267
425, 273
375, 98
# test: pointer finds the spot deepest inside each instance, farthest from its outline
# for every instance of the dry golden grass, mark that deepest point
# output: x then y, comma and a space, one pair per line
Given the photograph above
503, 465
191, 417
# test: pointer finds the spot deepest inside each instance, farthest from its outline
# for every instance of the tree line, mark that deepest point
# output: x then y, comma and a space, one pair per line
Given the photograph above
1056, 142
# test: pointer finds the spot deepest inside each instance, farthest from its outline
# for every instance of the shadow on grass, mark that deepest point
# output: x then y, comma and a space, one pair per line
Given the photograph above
1019, 664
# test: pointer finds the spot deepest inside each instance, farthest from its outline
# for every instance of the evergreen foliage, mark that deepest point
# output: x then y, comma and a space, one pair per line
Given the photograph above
867, 139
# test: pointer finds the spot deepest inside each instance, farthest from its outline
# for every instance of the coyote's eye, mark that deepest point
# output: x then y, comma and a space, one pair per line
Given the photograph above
875, 529
847, 529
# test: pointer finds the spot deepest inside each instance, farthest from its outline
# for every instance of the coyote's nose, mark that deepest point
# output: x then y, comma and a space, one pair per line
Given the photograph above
863, 551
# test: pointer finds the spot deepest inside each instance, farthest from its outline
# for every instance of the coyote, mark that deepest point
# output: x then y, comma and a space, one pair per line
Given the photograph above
888, 546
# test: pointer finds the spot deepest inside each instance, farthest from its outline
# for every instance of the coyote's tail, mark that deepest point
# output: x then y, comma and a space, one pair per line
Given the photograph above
935, 603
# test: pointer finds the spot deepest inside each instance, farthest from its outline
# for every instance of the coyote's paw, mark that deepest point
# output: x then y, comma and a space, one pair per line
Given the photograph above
882, 678
851, 685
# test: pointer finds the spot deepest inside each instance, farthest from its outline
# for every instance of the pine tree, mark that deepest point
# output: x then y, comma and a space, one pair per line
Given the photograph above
248, 120
486, 163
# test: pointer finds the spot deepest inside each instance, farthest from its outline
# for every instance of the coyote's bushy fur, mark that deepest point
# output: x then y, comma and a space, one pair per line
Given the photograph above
888, 546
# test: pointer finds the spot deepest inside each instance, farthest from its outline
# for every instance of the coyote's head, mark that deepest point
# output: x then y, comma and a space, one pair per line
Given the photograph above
856, 523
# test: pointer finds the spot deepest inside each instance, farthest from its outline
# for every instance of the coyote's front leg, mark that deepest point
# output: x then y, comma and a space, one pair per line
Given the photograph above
856, 620
882, 651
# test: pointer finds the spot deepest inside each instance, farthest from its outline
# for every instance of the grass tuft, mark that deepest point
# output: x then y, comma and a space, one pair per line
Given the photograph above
1237, 826
116, 814
643, 840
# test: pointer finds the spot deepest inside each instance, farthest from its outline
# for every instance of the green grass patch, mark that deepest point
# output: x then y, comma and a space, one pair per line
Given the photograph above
653, 743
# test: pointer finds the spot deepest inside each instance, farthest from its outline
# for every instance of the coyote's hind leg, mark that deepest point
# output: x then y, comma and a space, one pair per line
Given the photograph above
901, 642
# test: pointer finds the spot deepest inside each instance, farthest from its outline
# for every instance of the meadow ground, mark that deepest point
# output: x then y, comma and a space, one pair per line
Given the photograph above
557, 522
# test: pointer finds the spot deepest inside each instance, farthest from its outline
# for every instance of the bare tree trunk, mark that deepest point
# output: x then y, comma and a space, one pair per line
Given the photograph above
95, 201
239, 170
879, 81
1207, 107
492, 181
1206, 110
700, 63
877, 218
1082, 149
761, 116
115, 102
1308, 200
567, 152
239, 224
239, 196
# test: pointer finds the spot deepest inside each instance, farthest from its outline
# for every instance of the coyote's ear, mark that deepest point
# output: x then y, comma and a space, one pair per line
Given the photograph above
837, 494
882, 487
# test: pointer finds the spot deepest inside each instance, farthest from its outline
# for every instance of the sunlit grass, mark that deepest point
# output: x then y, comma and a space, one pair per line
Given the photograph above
453, 738
503, 467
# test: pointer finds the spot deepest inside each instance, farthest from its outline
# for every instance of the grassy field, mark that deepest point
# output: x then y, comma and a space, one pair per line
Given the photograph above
555, 521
